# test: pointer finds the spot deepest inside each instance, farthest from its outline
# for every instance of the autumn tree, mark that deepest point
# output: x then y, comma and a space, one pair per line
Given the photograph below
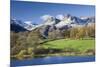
34, 39
73, 32
80, 33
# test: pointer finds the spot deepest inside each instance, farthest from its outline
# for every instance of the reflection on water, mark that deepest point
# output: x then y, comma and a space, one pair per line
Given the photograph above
52, 60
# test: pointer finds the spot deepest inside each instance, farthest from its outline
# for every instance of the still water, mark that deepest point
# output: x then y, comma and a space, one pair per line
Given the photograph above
52, 60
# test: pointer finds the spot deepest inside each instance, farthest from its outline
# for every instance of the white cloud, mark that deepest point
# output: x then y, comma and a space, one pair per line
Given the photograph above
60, 16
28, 22
46, 17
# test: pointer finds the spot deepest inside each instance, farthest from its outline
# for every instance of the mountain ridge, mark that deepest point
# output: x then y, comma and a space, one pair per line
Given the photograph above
60, 22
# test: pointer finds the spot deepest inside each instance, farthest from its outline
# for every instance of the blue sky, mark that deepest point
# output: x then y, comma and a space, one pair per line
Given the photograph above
32, 11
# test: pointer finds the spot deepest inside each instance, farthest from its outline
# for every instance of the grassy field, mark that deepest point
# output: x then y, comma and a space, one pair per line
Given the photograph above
81, 45
63, 47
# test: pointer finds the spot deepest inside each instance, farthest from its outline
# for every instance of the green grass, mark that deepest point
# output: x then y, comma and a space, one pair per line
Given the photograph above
77, 47
81, 45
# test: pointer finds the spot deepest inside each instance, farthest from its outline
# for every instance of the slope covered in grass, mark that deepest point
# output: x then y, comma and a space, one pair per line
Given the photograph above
81, 45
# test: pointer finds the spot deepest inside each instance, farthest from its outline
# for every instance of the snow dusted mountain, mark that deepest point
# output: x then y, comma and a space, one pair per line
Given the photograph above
65, 20
19, 26
29, 26
50, 23
61, 21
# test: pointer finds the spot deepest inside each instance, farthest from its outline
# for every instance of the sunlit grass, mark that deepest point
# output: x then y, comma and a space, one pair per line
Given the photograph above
81, 45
